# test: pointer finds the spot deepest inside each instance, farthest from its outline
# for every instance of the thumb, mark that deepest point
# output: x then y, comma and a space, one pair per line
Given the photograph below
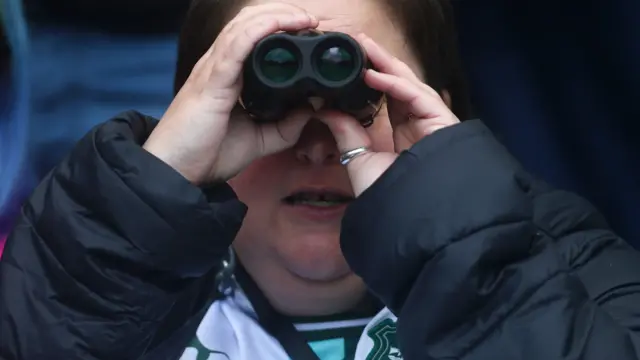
283, 134
347, 131
366, 168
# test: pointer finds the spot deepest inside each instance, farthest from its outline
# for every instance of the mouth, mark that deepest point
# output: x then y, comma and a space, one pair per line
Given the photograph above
318, 198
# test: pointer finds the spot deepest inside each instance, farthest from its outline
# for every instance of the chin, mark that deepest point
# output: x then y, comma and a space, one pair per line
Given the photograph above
323, 273
316, 259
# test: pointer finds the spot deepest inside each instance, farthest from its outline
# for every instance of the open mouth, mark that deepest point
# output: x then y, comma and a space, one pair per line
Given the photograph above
317, 198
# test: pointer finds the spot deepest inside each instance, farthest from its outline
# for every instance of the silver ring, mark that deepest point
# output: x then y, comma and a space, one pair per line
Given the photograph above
349, 155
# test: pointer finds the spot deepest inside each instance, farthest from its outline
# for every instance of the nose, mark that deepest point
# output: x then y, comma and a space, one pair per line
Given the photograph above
316, 145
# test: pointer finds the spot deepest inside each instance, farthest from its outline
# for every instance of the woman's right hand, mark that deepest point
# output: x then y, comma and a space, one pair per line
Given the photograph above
203, 135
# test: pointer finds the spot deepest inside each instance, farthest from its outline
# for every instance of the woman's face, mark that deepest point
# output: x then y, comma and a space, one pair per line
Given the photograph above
302, 237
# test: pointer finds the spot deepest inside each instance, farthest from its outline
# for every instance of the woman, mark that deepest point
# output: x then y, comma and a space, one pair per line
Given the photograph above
118, 252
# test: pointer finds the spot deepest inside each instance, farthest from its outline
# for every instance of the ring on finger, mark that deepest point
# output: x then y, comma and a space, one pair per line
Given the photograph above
347, 156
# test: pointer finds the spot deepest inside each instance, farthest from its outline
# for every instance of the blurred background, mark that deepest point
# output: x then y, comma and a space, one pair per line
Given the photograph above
67, 65
558, 81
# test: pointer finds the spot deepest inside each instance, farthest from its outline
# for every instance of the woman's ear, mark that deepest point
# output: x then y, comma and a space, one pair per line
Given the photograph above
446, 97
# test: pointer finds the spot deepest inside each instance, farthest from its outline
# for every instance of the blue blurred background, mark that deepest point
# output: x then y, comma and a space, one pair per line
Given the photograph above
558, 81
68, 65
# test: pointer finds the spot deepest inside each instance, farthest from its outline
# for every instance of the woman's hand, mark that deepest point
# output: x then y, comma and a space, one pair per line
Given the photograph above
203, 135
415, 111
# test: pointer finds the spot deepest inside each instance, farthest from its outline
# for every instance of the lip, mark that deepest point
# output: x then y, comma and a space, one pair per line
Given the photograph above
321, 189
318, 213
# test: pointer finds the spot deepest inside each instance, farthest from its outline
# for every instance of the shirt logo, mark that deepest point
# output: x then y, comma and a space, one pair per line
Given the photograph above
384, 347
197, 351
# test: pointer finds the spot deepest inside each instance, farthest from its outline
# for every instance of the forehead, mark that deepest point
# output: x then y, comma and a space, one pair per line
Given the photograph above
349, 16
358, 16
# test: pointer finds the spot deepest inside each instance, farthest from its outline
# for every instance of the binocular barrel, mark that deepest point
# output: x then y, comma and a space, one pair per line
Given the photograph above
284, 70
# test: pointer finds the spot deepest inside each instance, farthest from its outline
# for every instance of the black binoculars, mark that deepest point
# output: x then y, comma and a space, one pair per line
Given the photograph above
286, 70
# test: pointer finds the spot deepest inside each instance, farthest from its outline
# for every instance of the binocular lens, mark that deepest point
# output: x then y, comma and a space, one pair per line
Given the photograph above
335, 64
279, 65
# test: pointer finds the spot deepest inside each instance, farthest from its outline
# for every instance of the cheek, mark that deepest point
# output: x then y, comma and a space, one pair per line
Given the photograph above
262, 181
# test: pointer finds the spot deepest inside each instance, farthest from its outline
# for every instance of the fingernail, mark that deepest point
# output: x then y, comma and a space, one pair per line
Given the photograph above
317, 103
371, 42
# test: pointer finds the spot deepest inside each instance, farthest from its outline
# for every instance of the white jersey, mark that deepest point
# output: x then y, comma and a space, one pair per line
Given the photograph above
230, 331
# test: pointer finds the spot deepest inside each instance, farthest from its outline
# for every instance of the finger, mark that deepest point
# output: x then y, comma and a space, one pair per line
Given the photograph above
420, 103
366, 168
228, 59
285, 133
252, 30
384, 62
200, 68
250, 16
250, 12
347, 131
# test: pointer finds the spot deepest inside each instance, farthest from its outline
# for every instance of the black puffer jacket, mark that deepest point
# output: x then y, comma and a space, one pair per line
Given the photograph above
114, 256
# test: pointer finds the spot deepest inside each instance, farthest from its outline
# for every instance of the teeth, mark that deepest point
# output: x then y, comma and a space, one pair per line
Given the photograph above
318, 203
317, 199
333, 197
308, 197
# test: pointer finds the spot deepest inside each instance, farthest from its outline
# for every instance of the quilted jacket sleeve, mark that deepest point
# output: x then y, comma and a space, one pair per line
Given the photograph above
479, 260
113, 253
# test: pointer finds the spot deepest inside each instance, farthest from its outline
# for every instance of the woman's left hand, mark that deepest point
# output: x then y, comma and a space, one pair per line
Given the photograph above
415, 111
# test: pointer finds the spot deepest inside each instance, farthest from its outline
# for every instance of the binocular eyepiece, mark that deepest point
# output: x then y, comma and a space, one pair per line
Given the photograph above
285, 70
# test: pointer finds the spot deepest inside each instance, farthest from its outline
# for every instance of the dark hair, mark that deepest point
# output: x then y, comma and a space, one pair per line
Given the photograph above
428, 25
